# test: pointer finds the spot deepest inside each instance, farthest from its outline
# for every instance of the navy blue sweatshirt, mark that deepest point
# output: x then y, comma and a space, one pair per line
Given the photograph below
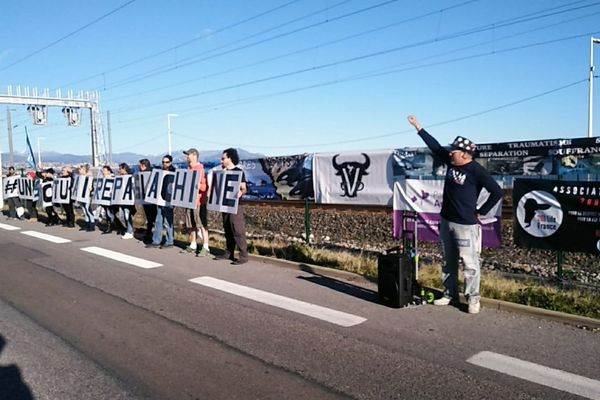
462, 186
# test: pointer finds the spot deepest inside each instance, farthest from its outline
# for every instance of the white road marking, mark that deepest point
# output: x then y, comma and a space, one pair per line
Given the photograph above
540, 374
45, 236
9, 227
124, 258
301, 307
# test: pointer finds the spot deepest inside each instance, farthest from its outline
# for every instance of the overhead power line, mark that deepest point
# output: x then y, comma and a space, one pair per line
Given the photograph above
185, 43
368, 75
66, 36
391, 134
295, 52
163, 69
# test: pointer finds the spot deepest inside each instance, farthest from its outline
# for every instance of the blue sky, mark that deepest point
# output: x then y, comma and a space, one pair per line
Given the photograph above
283, 77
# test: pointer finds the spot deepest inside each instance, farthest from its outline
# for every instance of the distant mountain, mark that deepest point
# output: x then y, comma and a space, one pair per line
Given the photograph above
52, 157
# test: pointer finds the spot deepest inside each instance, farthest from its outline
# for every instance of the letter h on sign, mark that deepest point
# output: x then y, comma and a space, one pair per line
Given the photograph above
185, 188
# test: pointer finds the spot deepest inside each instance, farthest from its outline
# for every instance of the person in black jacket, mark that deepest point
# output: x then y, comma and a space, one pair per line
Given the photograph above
69, 221
48, 176
460, 231
149, 209
129, 211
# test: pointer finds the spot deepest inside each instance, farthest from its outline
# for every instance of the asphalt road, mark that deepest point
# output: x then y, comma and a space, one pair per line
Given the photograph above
83, 323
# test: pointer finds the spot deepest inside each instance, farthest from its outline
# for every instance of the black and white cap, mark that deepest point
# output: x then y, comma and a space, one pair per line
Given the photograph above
464, 144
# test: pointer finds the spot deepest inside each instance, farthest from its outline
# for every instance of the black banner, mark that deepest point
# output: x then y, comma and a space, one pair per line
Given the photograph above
557, 215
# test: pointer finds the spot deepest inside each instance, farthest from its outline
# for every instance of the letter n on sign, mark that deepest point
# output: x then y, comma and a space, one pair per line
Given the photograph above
223, 191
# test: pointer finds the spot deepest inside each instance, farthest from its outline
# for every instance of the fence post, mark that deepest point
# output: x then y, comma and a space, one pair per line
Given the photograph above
307, 220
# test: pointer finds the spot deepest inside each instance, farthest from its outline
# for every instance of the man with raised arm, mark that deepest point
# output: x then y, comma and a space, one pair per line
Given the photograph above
460, 231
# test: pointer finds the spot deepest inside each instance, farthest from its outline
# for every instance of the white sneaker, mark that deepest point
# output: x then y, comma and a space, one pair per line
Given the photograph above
474, 307
444, 301
127, 236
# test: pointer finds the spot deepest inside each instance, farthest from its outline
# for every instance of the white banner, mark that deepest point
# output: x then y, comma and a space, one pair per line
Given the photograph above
11, 187
46, 189
185, 188
82, 189
357, 178
160, 187
61, 191
26, 188
141, 180
425, 196
122, 193
103, 191
225, 186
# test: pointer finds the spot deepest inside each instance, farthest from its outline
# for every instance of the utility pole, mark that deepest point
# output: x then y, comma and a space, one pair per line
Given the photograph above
109, 131
10, 136
591, 93
169, 129
39, 151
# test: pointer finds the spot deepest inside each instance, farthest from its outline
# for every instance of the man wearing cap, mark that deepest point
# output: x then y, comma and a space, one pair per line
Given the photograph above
197, 219
460, 233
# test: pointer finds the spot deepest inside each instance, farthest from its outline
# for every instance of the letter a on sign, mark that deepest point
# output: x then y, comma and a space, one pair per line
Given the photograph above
223, 191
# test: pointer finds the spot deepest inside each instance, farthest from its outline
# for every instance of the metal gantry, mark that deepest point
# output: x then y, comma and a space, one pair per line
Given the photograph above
38, 103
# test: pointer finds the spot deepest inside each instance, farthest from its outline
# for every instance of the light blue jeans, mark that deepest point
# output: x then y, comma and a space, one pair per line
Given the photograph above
164, 218
461, 243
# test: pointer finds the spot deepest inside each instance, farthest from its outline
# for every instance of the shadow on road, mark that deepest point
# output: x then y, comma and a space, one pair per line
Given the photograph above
343, 287
12, 386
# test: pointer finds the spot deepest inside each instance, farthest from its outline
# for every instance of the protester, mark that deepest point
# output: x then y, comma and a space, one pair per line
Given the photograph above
69, 221
127, 211
88, 215
48, 176
196, 220
149, 209
233, 224
15, 211
164, 215
460, 233
111, 221
30, 204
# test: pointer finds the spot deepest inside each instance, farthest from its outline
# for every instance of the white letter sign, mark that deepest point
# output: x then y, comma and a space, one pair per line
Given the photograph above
185, 188
224, 190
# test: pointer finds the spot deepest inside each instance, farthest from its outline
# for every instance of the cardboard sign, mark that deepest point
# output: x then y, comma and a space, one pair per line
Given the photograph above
185, 188
11, 187
26, 186
103, 191
46, 189
224, 190
160, 187
141, 180
61, 191
82, 189
122, 193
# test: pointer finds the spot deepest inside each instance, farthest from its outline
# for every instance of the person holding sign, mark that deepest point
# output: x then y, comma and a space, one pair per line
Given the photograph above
48, 176
69, 222
31, 204
14, 203
84, 201
234, 224
460, 232
196, 220
164, 215
149, 209
128, 211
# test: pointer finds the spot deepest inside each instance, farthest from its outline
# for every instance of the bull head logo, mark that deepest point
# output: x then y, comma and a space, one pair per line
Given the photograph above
351, 173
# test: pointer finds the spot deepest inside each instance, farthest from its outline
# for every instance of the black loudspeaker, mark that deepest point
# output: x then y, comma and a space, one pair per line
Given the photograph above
395, 279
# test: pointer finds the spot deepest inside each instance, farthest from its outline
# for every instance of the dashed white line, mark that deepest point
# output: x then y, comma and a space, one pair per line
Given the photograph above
300, 307
45, 236
540, 374
9, 227
124, 258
